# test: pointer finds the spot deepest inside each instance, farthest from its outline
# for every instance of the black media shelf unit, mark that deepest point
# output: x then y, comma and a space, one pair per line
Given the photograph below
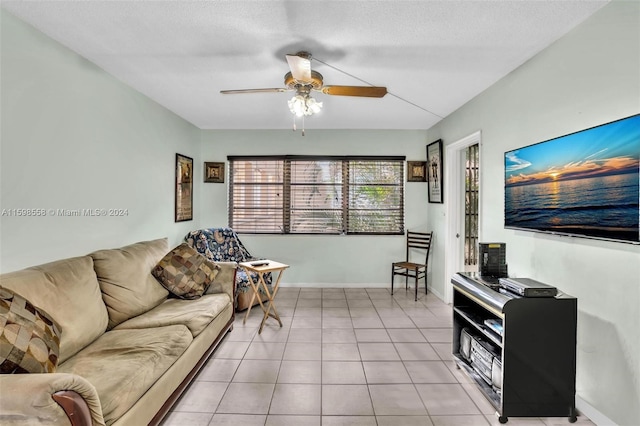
537, 348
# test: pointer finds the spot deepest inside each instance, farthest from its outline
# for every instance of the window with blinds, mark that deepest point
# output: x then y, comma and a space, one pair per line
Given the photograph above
256, 197
316, 195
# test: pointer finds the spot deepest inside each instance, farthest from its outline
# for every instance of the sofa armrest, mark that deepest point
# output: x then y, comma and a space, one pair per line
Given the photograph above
29, 398
226, 278
74, 406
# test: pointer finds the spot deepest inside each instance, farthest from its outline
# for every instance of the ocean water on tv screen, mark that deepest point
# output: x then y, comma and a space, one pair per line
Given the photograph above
603, 207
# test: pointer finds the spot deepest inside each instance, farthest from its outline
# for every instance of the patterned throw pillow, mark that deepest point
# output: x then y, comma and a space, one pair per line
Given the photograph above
29, 337
185, 272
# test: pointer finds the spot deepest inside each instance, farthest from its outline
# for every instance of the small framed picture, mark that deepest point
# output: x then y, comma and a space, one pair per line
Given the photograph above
184, 188
416, 171
214, 172
434, 171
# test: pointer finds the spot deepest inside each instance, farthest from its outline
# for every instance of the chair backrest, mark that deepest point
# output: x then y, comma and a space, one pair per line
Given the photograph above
419, 240
224, 245
219, 244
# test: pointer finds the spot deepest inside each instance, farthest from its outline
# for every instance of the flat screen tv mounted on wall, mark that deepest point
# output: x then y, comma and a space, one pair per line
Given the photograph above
583, 184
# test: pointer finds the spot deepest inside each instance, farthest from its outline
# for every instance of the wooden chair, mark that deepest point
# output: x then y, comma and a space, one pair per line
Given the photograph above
415, 241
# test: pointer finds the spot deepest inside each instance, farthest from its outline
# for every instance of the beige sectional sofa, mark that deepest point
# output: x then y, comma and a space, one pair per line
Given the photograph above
127, 349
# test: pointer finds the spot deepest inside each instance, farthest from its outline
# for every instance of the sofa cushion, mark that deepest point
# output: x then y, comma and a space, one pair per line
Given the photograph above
124, 274
68, 290
124, 364
185, 272
195, 314
29, 337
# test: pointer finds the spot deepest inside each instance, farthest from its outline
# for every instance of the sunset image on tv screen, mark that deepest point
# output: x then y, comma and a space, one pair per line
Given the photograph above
585, 183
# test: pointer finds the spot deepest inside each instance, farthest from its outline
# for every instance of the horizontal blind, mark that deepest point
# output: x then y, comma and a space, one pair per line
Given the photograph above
317, 195
256, 196
376, 197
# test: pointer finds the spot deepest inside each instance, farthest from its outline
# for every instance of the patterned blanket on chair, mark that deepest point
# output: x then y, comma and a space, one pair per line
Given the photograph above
223, 245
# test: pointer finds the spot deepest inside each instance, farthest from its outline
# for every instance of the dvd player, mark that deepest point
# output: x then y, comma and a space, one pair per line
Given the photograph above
527, 287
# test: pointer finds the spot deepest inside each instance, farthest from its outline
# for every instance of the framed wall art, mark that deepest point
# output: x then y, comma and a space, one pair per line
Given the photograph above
416, 171
434, 171
184, 188
214, 172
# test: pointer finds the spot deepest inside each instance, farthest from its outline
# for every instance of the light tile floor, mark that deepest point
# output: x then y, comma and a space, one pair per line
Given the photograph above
343, 357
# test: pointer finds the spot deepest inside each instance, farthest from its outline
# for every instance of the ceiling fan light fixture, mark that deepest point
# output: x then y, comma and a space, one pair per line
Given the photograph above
303, 104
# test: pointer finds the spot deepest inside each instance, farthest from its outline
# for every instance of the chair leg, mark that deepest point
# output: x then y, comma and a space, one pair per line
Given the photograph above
416, 285
392, 277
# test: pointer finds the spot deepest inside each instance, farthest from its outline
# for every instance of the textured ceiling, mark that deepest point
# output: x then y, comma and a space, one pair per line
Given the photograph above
433, 56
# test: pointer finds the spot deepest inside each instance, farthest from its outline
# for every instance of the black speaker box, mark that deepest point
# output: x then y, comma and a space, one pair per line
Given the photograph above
493, 260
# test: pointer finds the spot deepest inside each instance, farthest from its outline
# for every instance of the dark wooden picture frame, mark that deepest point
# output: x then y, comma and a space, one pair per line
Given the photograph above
214, 172
434, 171
416, 171
184, 188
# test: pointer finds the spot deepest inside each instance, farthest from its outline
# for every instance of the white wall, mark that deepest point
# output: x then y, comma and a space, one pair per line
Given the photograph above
589, 77
329, 260
74, 137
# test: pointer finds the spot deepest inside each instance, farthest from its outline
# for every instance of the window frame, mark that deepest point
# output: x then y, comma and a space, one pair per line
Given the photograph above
346, 185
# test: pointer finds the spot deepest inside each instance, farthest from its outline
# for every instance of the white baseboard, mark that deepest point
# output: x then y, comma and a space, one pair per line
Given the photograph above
593, 414
336, 285
437, 294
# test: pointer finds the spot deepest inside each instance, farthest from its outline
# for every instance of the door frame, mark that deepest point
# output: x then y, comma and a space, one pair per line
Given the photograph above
454, 213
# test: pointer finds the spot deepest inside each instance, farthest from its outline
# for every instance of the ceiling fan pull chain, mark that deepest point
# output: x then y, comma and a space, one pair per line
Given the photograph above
303, 125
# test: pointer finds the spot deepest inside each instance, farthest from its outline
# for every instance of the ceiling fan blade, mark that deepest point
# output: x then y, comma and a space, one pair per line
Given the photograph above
234, 92
300, 68
365, 91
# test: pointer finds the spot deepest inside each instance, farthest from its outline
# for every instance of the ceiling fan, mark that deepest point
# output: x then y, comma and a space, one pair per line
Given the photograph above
302, 79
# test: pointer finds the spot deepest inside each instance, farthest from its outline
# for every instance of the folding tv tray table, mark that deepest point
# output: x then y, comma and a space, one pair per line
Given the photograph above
261, 267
